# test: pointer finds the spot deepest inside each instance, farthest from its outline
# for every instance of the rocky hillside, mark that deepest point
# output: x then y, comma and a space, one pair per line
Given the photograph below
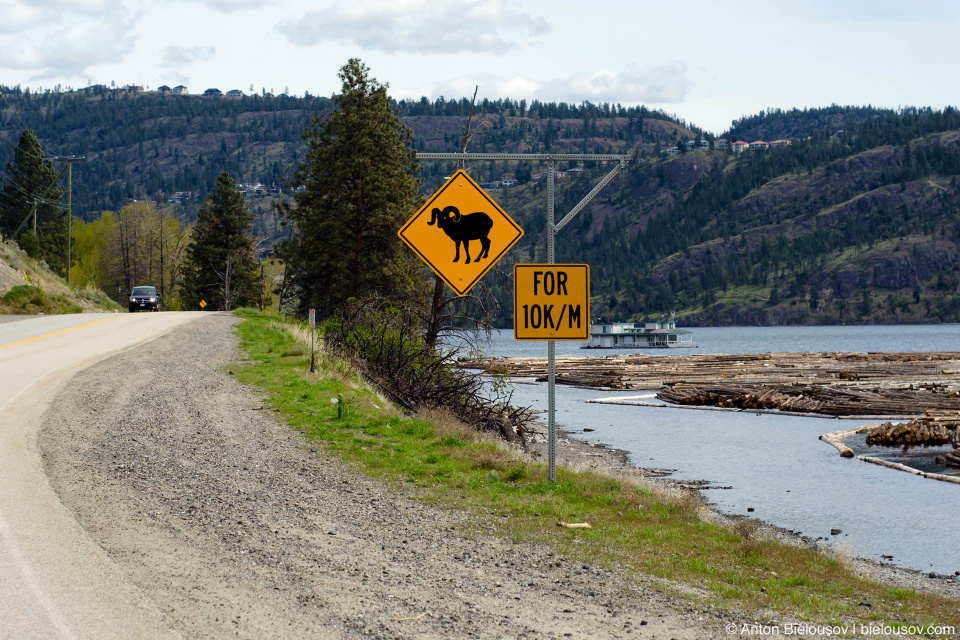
28, 287
856, 220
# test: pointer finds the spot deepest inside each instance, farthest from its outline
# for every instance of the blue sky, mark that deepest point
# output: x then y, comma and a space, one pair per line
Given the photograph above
707, 62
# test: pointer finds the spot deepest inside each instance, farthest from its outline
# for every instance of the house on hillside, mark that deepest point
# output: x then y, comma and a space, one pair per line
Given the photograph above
672, 151
508, 183
180, 90
691, 145
740, 146
234, 93
775, 144
164, 89
214, 92
576, 170
757, 145
722, 144
133, 88
705, 144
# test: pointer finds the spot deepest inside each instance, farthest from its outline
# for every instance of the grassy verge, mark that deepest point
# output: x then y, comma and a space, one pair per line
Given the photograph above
637, 528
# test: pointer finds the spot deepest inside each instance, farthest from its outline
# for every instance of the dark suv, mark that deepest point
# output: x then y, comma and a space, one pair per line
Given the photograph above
144, 298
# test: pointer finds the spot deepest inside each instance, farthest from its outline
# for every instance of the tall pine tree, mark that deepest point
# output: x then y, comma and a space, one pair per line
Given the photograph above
31, 179
359, 187
220, 267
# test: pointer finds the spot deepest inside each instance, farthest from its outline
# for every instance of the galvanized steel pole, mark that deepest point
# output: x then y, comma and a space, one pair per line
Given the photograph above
551, 345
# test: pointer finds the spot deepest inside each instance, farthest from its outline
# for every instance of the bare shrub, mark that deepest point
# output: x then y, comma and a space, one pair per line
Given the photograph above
746, 528
386, 345
494, 458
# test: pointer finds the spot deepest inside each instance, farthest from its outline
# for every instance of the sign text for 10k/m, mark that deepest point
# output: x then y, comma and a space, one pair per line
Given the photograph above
551, 302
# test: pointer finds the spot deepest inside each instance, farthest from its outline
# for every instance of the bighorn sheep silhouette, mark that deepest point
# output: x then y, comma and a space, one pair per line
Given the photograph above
460, 228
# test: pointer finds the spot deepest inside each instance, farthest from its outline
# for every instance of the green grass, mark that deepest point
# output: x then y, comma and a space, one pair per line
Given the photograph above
636, 528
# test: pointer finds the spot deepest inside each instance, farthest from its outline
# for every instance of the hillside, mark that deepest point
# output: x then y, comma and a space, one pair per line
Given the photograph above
855, 221
795, 124
27, 287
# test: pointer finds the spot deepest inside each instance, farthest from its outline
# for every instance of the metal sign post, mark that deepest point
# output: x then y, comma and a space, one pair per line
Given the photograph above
552, 228
312, 316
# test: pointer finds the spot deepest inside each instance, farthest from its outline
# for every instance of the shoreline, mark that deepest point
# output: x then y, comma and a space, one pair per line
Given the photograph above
606, 460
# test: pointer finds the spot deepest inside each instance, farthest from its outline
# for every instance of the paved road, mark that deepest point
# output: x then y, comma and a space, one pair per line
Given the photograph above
54, 581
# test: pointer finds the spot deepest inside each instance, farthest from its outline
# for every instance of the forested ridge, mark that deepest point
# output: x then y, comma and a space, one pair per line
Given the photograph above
855, 221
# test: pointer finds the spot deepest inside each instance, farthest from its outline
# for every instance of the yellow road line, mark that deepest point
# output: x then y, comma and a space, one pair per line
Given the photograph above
47, 335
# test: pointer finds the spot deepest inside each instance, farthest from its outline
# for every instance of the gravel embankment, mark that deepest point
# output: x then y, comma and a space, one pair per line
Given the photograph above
235, 527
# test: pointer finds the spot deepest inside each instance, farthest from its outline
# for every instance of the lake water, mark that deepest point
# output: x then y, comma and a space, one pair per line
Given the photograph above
937, 337
775, 464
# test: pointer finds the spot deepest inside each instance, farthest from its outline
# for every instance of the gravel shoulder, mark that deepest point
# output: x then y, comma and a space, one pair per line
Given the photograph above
235, 527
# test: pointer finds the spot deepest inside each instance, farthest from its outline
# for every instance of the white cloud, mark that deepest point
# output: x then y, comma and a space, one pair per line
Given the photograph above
85, 7
19, 16
663, 83
70, 51
423, 26
666, 83
62, 38
229, 6
176, 57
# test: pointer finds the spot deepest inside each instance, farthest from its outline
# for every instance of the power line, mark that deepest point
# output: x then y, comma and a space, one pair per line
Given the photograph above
69, 160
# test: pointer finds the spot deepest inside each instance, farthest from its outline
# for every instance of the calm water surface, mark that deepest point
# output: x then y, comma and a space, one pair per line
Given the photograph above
939, 337
776, 464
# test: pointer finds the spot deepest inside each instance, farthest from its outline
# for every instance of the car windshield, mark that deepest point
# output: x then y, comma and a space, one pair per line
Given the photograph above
144, 291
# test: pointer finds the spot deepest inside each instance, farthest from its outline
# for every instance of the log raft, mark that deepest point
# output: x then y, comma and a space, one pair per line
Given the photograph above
832, 384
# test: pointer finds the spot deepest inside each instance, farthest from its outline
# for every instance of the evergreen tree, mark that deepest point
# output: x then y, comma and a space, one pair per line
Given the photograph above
220, 266
359, 187
30, 179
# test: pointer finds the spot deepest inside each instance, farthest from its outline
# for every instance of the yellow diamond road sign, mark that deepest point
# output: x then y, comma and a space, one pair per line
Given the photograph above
551, 302
460, 232
203, 303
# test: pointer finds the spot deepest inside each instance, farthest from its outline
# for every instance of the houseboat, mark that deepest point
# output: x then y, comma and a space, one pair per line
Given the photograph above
638, 335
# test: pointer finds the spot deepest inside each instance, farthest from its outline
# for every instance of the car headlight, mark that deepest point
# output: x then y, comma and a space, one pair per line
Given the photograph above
133, 299
153, 299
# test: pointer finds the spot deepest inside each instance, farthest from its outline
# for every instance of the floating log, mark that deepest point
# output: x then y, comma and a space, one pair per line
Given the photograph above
845, 451
916, 472
832, 384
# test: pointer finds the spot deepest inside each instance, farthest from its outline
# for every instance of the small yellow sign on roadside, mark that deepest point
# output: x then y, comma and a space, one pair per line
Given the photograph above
460, 232
203, 304
551, 302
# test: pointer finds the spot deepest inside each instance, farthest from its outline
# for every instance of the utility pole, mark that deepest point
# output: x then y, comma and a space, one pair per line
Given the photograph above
69, 160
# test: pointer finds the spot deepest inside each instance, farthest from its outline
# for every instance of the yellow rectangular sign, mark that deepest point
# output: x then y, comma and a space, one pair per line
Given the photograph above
551, 302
